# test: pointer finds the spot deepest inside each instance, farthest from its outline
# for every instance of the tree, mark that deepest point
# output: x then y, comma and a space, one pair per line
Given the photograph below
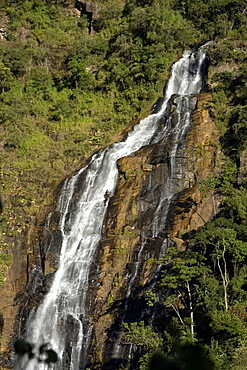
181, 270
5, 77
79, 76
224, 250
179, 283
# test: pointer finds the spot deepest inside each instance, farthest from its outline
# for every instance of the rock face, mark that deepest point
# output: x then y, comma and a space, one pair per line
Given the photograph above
24, 284
15, 280
91, 10
3, 27
125, 266
130, 213
199, 204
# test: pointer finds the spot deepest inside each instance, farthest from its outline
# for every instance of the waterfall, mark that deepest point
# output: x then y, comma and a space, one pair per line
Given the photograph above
184, 83
62, 319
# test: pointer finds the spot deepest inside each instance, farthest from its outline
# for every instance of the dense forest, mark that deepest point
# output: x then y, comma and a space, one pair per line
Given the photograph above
70, 84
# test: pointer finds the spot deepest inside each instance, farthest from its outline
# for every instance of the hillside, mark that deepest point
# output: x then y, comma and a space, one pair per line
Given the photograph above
73, 77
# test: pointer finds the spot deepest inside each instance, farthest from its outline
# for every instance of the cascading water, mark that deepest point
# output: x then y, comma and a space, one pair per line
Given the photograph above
82, 219
185, 81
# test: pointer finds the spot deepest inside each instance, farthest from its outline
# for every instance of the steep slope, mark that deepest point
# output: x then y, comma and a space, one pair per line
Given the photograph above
140, 177
46, 88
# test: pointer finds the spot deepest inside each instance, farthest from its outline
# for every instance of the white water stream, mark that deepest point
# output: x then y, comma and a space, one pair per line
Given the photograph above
185, 81
81, 225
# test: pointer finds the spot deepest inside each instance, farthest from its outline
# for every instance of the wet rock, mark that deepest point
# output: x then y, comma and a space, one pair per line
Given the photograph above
130, 215
157, 106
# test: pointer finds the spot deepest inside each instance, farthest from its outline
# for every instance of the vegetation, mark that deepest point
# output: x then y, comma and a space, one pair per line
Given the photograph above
65, 92
202, 290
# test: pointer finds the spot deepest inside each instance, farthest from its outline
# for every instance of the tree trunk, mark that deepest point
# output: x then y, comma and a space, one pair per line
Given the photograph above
192, 326
178, 314
224, 276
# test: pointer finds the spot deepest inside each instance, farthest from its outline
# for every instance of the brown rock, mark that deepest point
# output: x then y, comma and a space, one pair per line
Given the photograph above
132, 208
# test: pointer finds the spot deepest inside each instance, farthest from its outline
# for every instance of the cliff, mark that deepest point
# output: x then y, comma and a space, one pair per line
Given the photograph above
130, 214
65, 94
127, 224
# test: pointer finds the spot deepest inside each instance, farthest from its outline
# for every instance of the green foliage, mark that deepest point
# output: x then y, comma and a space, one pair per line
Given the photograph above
185, 356
5, 77
143, 336
217, 18
65, 93
239, 357
209, 184
79, 76
207, 280
229, 93
5, 259
218, 234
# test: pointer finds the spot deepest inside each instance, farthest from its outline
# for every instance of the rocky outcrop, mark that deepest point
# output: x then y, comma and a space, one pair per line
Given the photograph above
24, 250
91, 11
24, 284
126, 264
132, 208
200, 203
3, 27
